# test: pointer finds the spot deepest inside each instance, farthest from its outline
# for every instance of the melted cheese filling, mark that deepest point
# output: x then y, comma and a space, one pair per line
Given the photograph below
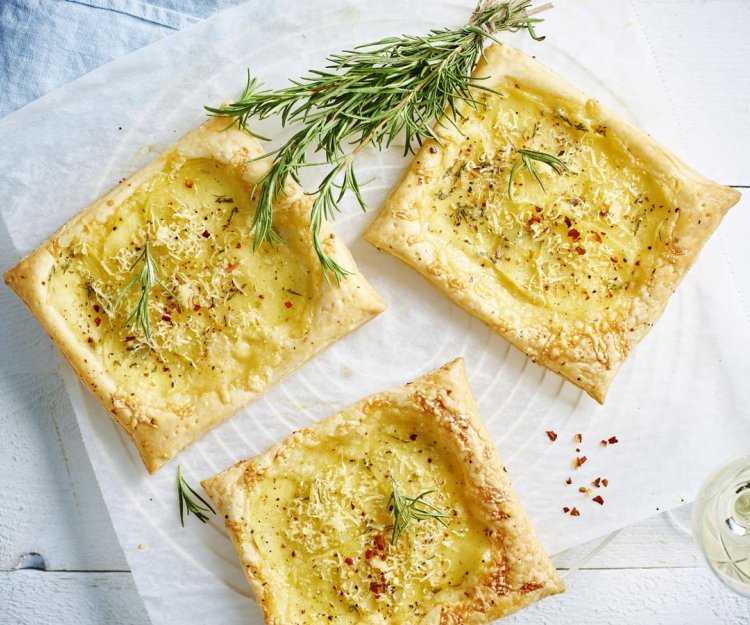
241, 308
585, 242
322, 525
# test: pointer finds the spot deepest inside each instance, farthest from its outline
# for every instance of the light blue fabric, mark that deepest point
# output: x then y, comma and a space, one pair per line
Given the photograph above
47, 43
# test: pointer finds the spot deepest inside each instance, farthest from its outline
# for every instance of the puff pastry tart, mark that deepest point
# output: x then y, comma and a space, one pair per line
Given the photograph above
239, 320
573, 273
313, 518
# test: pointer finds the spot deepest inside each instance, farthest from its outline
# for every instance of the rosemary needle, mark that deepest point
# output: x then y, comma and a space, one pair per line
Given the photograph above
369, 96
526, 160
406, 509
185, 494
147, 277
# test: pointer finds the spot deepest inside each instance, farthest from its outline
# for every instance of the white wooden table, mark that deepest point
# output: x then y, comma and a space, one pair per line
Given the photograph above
60, 561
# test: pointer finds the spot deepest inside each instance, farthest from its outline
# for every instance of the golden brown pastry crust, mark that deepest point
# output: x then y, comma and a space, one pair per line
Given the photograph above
587, 356
519, 572
336, 311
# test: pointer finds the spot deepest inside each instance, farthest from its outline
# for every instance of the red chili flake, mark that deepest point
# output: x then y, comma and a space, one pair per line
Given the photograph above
379, 541
567, 221
603, 213
412, 437
597, 237
378, 587
612, 440
96, 308
613, 259
231, 267
566, 509
579, 461
349, 561
574, 234
429, 460
368, 554
605, 482
189, 184
535, 219
569, 481
433, 149
552, 435
166, 318
238, 246
294, 554
538, 209
91, 340
574, 512
288, 304
598, 499
129, 338
206, 234
197, 307
597, 482
97, 321
581, 251
603, 443
579, 438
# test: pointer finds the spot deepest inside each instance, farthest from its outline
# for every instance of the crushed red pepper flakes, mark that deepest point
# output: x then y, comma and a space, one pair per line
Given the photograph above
581, 251
597, 482
288, 304
569, 481
369, 553
197, 307
574, 234
552, 435
605, 482
612, 440
97, 321
597, 237
349, 561
603, 443
189, 184
206, 234
579, 438
579, 461
96, 308
166, 318
598, 499
574, 512
566, 509
379, 541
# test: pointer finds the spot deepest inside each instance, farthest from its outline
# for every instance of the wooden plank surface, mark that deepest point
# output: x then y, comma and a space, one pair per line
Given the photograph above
649, 573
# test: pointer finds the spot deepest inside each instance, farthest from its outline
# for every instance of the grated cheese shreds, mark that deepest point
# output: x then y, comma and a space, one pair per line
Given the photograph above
231, 319
579, 240
323, 523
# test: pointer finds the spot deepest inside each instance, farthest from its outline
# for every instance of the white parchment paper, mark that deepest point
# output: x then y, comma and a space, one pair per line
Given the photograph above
677, 407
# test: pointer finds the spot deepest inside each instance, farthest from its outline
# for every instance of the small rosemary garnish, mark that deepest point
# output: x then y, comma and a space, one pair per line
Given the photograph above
147, 277
406, 509
526, 159
185, 494
369, 96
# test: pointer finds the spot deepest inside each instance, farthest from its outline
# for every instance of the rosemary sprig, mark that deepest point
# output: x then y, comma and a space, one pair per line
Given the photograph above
185, 494
526, 160
147, 277
369, 96
406, 509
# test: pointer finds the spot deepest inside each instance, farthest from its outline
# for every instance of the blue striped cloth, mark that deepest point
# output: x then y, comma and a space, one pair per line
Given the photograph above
47, 43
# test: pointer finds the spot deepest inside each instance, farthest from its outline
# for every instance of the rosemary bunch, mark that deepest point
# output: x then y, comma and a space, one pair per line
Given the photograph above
406, 509
368, 96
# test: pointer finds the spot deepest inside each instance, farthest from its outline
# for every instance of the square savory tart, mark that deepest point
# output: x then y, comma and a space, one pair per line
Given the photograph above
244, 319
312, 521
576, 273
